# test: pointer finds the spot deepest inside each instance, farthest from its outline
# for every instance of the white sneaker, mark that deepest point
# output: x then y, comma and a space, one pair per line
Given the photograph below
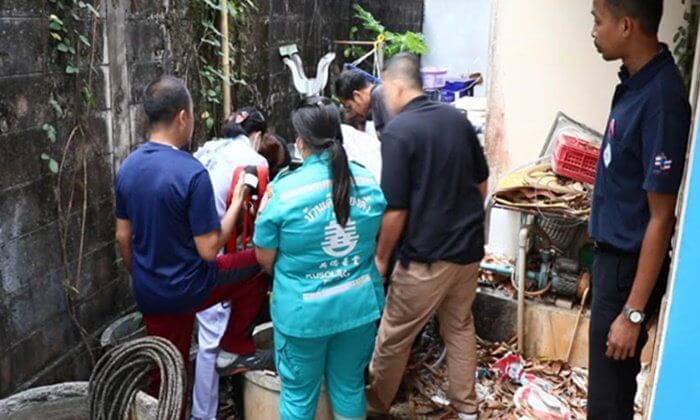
231, 363
465, 416
225, 359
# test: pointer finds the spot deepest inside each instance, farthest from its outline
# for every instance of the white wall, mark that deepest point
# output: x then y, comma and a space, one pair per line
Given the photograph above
457, 33
543, 61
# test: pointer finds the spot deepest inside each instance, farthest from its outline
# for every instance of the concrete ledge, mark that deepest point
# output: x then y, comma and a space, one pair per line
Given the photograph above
548, 329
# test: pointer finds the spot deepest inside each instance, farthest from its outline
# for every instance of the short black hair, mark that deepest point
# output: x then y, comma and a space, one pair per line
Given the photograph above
165, 98
405, 66
647, 12
255, 121
348, 82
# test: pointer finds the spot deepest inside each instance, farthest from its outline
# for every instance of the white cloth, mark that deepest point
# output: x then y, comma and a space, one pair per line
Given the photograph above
363, 148
221, 158
205, 398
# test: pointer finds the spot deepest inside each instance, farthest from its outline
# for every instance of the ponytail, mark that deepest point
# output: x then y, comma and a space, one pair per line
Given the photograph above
342, 182
317, 122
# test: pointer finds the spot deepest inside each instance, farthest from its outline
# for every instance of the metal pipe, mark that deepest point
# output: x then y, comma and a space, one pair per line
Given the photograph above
504, 270
523, 237
225, 62
343, 42
578, 321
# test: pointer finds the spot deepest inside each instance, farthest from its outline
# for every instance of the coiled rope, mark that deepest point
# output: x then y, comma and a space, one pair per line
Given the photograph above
121, 372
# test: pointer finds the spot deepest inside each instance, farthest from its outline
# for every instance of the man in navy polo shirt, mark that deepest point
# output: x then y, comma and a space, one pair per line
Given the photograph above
168, 228
633, 216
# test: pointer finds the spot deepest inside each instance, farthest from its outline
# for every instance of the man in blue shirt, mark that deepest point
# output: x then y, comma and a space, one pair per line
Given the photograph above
633, 216
167, 226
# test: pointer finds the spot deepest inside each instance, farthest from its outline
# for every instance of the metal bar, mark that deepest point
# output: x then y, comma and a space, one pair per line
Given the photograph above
354, 42
225, 64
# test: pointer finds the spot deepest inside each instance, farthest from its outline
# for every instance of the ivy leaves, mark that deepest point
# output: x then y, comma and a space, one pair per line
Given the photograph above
210, 54
394, 42
53, 165
68, 27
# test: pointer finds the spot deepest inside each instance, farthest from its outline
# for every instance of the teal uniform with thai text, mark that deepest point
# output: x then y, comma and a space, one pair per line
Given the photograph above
327, 293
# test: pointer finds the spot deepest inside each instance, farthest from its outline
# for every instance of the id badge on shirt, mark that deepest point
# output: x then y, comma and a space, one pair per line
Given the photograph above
607, 155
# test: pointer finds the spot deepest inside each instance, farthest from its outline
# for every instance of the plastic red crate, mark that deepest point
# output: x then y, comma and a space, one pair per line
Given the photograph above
575, 158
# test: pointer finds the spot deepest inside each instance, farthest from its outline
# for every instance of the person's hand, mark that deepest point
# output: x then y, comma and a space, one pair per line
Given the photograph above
622, 338
239, 193
382, 266
265, 199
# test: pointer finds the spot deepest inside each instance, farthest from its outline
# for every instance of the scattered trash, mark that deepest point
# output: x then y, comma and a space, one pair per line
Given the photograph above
512, 367
537, 188
539, 404
508, 386
440, 399
642, 386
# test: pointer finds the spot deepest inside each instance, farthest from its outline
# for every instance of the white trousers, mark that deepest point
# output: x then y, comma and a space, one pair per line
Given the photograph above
212, 325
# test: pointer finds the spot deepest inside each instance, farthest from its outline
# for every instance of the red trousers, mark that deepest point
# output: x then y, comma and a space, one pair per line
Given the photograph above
247, 296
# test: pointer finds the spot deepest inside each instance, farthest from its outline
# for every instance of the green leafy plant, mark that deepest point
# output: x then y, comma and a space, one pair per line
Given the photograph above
394, 43
684, 42
210, 56
72, 30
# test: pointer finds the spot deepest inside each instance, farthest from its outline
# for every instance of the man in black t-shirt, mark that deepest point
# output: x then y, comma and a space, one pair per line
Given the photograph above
434, 178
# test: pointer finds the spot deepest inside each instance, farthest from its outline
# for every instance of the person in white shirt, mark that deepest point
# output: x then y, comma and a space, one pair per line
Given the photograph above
221, 157
363, 148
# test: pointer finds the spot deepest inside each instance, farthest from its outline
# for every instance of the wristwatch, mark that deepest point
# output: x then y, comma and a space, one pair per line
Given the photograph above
634, 316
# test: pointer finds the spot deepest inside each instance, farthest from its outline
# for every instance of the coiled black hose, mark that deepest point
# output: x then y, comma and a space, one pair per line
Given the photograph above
121, 372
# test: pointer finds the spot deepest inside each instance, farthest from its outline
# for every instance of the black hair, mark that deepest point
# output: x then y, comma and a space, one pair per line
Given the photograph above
255, 121
271, 146
285, 149
647, 12
404, 66
317, 123
348, 82
165, 98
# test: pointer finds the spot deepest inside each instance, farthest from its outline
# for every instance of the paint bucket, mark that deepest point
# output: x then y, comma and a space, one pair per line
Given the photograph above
433, 77
261, 390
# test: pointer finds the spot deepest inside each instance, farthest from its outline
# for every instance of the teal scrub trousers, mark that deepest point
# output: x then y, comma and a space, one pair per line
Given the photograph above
341, 358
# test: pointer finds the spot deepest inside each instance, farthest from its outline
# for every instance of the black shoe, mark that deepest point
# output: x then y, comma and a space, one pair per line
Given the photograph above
228, 364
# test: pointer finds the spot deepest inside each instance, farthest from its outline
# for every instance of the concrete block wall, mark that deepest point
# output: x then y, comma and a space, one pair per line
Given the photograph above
313, 25
137, 41
38, 342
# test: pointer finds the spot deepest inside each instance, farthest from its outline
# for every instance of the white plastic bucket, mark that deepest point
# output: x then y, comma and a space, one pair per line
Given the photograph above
433, 77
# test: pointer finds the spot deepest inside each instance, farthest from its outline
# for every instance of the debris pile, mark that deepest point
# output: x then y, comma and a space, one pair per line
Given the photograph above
508, 387
538, 189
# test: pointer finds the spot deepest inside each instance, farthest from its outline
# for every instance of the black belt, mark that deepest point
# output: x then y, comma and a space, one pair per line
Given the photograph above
607, 248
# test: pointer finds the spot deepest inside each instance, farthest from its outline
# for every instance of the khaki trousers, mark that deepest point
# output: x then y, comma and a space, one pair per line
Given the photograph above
415, 295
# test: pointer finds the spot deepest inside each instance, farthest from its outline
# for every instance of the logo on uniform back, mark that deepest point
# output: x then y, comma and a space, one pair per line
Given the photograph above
339, 242
662, 164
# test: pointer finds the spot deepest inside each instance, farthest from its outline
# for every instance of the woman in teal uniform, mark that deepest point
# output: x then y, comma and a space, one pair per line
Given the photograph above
317, 235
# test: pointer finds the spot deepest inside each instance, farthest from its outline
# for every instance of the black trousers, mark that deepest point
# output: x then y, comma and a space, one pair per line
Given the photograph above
612, 384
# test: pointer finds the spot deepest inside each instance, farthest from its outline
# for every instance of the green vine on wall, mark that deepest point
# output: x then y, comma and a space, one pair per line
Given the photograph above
394, 42
210, 54
684, 42
73, 32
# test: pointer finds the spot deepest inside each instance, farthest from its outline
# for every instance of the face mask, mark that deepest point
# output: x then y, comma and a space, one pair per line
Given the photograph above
297, 150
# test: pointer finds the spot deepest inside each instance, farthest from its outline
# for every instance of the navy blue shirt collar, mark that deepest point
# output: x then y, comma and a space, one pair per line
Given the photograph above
646, 73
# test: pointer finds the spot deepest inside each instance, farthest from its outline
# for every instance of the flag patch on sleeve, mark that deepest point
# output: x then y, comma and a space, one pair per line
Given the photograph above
662, 164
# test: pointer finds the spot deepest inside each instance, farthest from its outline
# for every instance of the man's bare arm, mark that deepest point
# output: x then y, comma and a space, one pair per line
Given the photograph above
393, 223
123, 236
